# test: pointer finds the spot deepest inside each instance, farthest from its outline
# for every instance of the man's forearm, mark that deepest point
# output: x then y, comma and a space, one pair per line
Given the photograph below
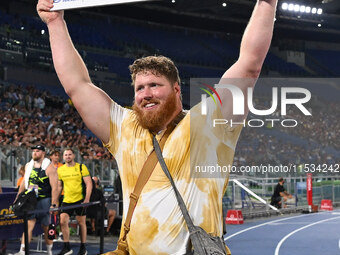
88, 183
88, 192
258, 34
55, 195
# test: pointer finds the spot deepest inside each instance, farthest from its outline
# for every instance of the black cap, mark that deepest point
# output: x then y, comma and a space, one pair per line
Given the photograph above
38, 147
281, 179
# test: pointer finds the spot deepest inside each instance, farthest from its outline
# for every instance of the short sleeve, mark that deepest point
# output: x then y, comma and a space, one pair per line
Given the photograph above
84, 171
59, 173
117, 114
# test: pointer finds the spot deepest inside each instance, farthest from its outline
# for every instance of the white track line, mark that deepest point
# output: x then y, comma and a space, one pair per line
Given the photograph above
270, 222
277, 250
263, 224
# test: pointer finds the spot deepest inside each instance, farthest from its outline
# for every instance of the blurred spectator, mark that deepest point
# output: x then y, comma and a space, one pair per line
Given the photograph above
21, 173
24, 125
55, 158
3, 242
94, 212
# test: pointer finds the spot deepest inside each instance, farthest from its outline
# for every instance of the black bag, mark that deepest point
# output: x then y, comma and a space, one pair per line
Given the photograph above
26, 201
52, 233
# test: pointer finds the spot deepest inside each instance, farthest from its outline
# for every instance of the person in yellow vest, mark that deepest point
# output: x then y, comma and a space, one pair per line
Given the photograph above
71, 177
157, 225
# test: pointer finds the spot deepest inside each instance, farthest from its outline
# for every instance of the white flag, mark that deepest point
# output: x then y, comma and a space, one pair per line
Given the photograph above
73, 4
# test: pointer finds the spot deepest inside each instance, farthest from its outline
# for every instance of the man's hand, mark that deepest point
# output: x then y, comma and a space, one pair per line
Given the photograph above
53, 206
43, 9
86, 201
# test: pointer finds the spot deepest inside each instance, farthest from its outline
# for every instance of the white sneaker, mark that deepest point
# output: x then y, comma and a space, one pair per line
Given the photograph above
20, 253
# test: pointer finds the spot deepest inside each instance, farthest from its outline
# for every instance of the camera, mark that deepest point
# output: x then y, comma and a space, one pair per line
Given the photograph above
52, 233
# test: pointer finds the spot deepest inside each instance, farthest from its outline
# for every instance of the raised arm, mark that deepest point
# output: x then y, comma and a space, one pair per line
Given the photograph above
92, 103
60, 187
254, 48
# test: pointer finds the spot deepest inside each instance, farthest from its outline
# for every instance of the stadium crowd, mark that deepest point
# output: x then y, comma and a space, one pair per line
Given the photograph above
312, 141
323, 128
29, 117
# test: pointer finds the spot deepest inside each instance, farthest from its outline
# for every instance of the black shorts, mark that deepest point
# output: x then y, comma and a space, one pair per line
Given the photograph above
95, 211
275, 200
79, 211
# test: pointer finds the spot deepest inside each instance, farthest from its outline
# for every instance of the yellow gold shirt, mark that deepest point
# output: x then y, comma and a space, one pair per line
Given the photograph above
72, 182
157, 225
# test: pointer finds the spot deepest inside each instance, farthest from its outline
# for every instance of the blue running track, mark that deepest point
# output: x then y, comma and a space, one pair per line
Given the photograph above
305, 234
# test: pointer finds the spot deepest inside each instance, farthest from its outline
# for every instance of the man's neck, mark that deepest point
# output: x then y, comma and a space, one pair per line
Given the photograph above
71, 164
175, 119
37, 163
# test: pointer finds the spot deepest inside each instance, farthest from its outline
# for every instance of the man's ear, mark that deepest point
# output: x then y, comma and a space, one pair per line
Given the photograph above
177, 88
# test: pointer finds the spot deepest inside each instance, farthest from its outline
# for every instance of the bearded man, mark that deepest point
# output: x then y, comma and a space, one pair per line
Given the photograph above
40, 176
157, 225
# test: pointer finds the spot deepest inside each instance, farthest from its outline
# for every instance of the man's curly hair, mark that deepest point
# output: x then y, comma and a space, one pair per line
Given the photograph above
157, 65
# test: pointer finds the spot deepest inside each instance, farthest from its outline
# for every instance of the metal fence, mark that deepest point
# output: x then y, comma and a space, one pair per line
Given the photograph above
324, 187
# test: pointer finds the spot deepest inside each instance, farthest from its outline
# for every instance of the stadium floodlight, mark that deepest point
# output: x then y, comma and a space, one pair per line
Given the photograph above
302, 8
319, 25
290, 7
224, 4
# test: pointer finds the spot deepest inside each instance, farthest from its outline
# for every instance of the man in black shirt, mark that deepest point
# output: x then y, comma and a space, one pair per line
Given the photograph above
94, 211
40, 176
279, 194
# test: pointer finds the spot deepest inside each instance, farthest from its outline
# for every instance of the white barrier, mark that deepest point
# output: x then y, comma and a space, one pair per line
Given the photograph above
253, 194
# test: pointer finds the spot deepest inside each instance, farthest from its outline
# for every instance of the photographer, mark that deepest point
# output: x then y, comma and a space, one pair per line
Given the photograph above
280, 194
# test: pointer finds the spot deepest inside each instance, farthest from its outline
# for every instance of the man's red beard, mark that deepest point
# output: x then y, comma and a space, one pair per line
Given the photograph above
155, 120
